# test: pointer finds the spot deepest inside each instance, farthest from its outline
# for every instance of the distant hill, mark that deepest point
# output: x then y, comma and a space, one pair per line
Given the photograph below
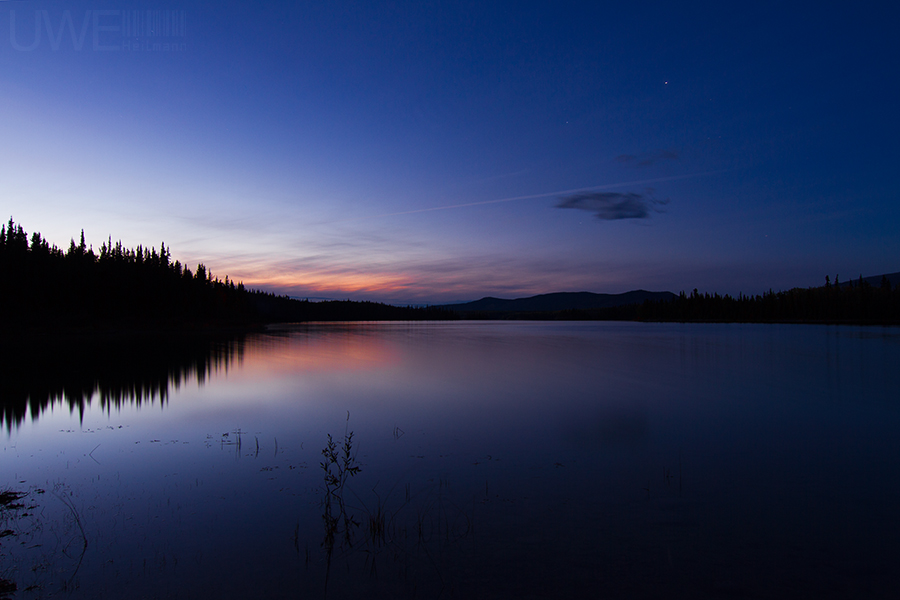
559, 301
875, 280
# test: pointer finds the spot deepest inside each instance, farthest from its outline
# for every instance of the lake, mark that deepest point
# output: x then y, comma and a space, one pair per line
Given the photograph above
485, 460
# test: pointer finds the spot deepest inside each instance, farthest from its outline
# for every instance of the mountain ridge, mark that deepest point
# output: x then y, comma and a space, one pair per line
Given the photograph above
557, 301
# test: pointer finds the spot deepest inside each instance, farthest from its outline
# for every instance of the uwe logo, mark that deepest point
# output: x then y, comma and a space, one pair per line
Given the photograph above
98, 30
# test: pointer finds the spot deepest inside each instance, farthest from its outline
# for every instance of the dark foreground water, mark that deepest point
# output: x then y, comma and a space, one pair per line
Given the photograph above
495, 460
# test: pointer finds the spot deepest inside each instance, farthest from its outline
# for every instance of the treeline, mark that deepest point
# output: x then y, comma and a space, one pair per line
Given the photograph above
44, 287
849, 302
281, 309
852, 302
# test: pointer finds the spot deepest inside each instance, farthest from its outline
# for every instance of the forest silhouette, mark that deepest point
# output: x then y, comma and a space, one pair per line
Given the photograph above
43, 288
124, 325
852, 302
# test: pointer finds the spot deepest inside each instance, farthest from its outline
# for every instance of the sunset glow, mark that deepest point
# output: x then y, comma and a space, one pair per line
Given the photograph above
426, 154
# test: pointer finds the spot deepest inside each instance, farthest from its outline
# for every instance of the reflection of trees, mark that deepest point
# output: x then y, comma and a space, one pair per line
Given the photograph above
111, 369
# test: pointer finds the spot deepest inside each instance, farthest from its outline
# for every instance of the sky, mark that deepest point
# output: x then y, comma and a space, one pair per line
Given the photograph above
413, 152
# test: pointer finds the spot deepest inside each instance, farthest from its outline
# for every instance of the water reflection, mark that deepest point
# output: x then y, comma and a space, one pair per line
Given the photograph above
112, 370
494, 460
400, 540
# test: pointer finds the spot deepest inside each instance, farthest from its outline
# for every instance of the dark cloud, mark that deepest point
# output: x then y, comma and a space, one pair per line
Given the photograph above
612, 206
647, 160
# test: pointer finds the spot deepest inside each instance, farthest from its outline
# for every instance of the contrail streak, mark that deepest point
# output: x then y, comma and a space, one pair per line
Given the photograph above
532, 196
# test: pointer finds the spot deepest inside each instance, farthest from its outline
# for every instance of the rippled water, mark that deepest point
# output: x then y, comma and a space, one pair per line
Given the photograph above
495, 460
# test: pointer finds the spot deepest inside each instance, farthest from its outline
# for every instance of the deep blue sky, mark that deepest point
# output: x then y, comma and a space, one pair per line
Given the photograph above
425, 153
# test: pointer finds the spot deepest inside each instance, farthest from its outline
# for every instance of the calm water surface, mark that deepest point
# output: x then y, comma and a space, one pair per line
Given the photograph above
496, 460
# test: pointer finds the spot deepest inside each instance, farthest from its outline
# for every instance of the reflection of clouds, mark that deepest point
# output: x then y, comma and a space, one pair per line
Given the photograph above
611, 427
318, 348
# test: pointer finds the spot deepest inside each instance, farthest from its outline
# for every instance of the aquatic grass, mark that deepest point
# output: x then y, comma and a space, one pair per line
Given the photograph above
377, 524
66, 499
9, 499
7, 589
404, 526
380, 529
338, 467
23, 523
669, 477
9, 507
